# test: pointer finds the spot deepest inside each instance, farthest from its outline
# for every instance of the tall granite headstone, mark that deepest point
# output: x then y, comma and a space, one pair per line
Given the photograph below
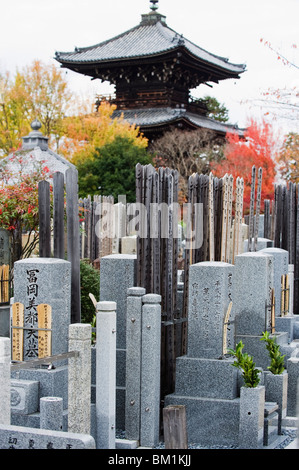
206, 383
210, 290
284, 320
253, 283
44, 281
117, 275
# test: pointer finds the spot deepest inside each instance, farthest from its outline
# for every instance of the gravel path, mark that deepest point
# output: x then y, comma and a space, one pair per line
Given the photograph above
289, 433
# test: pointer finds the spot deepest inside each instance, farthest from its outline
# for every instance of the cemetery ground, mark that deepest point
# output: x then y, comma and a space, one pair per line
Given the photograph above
195, 340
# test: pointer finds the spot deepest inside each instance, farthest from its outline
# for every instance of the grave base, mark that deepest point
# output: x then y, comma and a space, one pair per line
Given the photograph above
47, 383
209, 389
209, 421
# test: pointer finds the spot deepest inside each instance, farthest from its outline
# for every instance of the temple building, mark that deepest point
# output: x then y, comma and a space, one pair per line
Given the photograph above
153, 69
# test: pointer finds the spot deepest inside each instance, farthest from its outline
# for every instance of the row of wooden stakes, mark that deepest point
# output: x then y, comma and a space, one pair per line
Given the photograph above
4, 283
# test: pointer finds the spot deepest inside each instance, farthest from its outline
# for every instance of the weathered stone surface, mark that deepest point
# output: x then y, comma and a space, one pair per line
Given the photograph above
44, 281
20, 437
210, 287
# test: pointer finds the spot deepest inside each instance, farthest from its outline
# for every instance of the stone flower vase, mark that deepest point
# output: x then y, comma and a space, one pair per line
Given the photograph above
276, 386
251, 425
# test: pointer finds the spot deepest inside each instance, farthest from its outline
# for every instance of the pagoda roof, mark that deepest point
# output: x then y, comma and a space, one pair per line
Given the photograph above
151, 39
148, 118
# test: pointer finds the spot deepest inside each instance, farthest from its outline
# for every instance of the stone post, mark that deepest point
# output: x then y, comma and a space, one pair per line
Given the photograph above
293, 381
150, 370
106, 374
251, 426
133, 363
5, 381
51, 413
276, 386
79, 379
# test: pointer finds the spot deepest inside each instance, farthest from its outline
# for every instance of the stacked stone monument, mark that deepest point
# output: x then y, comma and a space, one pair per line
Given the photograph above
256, 309
257, 286
41, 281
206, 382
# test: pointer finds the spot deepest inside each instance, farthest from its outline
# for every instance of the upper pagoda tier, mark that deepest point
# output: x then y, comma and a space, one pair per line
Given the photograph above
151, 51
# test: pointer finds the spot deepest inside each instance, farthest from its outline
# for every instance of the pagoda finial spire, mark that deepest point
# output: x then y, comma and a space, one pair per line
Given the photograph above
154, 7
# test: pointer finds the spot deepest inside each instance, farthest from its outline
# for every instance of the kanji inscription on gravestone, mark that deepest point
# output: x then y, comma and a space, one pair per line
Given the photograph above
44, 330
17, 331
30, 316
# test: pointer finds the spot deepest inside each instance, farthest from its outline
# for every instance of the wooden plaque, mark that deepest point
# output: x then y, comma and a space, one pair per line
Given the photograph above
44, 313
225, 324
17, 331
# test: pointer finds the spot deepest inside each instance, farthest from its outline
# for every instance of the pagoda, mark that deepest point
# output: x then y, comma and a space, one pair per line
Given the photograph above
153, 69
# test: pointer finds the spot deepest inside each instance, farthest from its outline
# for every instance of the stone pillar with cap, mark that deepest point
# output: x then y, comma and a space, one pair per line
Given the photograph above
5, 381
133, 362
79, 379
106, 374
150, 370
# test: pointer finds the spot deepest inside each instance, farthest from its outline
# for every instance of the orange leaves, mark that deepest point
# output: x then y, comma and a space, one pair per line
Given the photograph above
87, 132
288, 158
257, 148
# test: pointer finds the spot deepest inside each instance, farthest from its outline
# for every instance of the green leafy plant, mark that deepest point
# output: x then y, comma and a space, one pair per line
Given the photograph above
93, 332
246, 365
277, 359
90, 283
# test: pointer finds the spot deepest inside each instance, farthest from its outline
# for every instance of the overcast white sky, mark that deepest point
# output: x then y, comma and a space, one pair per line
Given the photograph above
35, 29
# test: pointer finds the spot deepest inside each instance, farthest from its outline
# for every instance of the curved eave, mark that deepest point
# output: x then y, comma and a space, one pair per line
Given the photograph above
186, 56
147, 119
144, 43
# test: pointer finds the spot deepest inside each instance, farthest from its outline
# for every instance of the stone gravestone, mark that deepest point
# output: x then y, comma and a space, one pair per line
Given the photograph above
252, 306
283, 321
117, 275
210, 295
252, 292
206, 382
40, 282
43, 281
280, 267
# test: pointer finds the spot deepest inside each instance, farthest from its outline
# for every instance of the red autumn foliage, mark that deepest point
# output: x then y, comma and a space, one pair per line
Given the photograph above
240, 154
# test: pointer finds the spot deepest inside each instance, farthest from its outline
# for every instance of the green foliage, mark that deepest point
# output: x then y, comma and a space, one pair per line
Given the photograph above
245, 364
90, 283
277, 360
216, 110
111, 171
